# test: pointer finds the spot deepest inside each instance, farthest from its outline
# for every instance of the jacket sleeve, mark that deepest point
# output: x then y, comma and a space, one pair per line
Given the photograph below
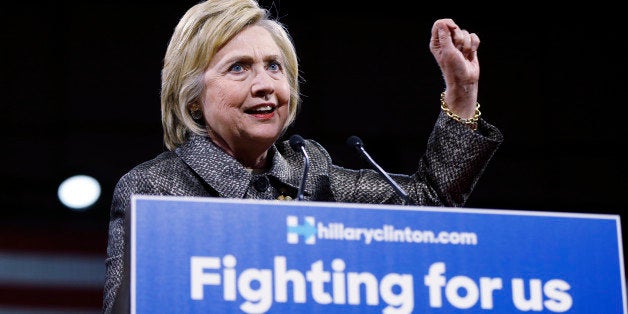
116, 291
454, 159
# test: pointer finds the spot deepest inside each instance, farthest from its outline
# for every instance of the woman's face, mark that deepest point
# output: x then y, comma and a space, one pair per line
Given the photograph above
246, 97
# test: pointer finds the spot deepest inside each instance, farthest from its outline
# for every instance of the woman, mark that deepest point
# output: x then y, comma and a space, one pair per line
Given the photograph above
230, 88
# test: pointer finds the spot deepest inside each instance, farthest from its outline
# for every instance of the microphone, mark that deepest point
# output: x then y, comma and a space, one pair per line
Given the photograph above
356, 143
298, 144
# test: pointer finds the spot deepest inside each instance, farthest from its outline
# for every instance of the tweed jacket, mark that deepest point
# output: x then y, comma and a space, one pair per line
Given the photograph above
454, 160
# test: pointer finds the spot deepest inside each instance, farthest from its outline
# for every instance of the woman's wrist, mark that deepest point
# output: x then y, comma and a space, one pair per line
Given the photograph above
472, 122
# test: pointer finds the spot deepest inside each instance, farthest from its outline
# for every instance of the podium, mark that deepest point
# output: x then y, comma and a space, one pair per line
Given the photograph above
216, 255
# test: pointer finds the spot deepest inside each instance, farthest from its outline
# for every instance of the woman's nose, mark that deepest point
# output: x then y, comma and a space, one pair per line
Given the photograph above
262, 84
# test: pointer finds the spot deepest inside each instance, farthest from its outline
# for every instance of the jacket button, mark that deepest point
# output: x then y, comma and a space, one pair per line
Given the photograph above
261, 184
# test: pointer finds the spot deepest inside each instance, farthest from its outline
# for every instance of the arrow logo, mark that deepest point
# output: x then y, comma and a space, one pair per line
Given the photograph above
307, 229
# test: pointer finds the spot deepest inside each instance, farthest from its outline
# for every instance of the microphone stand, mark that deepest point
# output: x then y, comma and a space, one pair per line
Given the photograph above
298, 144
356, 142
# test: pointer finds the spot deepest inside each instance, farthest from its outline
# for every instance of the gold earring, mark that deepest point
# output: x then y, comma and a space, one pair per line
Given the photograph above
196, 112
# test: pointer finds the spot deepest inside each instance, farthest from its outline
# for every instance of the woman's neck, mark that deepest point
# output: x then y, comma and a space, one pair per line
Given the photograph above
253, 156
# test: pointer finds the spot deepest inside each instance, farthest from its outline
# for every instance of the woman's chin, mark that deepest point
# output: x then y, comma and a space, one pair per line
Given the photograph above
265, 133
264, 136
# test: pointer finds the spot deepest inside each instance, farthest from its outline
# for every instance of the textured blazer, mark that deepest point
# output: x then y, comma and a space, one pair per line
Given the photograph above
447, 172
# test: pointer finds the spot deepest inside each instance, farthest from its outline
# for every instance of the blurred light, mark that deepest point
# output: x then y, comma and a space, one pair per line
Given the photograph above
79, 192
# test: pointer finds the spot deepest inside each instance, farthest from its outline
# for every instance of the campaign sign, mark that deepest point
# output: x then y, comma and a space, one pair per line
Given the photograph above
216, 255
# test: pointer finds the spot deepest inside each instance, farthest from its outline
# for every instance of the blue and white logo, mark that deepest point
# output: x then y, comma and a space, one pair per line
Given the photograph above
307, 229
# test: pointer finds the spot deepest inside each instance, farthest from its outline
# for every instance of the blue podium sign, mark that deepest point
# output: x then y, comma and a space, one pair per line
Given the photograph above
216, 255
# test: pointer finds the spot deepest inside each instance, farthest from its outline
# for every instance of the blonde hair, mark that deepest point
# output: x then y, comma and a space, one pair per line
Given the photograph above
202, 31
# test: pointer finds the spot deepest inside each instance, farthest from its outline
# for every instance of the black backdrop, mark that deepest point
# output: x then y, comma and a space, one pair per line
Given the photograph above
80, 94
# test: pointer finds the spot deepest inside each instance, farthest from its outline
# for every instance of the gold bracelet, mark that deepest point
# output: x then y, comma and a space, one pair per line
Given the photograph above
472, 122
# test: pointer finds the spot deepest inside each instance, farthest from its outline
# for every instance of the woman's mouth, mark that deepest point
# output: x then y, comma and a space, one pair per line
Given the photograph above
262, 112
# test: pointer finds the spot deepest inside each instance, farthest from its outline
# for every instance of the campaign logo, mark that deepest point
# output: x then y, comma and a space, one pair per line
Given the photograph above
307, 229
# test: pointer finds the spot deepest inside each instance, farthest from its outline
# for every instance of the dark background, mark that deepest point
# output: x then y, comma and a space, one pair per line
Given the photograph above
80, 94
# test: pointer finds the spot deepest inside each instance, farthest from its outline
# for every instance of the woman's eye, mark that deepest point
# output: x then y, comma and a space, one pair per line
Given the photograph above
236, 68
274, 66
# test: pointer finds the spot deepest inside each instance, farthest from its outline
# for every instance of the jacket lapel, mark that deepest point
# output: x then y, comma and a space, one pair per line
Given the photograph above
221, 171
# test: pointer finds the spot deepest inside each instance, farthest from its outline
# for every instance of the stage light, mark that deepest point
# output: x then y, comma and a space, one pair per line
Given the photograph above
79, 192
